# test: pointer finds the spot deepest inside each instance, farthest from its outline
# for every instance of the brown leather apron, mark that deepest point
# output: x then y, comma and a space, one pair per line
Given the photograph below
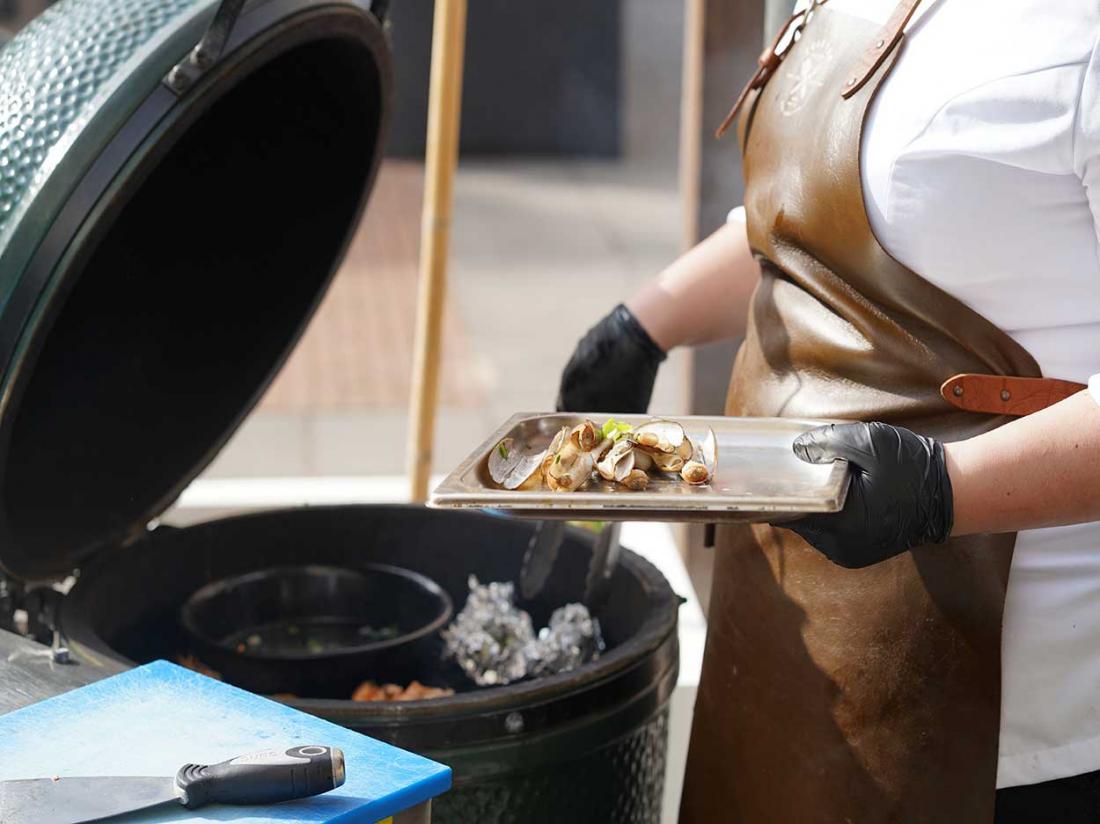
827, 694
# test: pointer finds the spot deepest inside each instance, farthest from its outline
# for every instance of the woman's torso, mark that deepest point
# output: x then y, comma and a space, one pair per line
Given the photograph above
979, 159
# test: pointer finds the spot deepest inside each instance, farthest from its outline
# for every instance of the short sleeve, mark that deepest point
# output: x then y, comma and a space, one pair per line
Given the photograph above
1086, 158
1086, 138
1094, 387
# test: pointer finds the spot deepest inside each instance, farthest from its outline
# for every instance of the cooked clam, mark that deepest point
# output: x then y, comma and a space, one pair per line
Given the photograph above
618, 463
668, 461
555, 447
660, 436
572, 464
663, 461
636, 480
515, 468
643, 460
586, 436
704, 461
695, 473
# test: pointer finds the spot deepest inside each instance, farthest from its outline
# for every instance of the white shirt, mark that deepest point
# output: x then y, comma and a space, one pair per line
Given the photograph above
981, 172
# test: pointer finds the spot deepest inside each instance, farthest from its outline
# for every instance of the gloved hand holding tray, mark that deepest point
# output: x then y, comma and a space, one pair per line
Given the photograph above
757, 477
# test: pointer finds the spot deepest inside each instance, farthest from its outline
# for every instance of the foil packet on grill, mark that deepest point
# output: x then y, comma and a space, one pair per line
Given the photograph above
494, 641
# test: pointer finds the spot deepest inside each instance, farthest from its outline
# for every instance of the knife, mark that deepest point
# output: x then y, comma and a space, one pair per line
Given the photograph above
260, 778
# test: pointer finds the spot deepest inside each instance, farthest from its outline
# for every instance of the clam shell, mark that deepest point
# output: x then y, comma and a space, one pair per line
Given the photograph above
555, 447
663, 461
670, 463
571, 477
512, 467
571, 467
501, 464
618, 462
695, 473
559, 439
707, 451
659, 435
586, 436
704, 460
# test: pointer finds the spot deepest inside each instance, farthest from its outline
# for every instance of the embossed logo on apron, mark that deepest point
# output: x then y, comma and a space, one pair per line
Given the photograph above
804, 77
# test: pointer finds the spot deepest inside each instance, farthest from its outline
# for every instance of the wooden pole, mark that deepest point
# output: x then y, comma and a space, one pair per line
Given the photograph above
691, 169
444, 107
691, 121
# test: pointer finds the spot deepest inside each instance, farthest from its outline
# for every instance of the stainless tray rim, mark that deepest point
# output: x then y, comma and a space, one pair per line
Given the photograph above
452, 493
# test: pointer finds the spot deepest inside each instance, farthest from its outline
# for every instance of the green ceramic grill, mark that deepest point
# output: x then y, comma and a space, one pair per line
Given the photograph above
178, 182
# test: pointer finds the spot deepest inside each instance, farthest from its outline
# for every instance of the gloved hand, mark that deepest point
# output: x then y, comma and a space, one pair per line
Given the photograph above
613, 367
899, 497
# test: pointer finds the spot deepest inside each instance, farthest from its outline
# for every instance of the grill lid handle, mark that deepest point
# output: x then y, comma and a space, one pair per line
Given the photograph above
184, 74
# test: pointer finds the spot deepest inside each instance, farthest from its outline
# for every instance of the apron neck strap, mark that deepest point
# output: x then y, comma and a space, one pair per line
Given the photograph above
887, 38
880, 47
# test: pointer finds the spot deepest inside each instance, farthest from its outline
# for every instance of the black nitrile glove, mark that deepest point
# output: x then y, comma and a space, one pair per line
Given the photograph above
899, 497
613, 367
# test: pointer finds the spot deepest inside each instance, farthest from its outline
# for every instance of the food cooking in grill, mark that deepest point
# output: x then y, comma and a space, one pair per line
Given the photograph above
495, 642
415, 691
625, 456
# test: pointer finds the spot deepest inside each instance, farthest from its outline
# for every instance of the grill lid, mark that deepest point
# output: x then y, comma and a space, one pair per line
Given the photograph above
163, 243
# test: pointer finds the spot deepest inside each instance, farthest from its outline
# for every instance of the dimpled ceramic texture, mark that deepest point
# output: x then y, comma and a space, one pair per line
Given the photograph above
621, 783
54, 77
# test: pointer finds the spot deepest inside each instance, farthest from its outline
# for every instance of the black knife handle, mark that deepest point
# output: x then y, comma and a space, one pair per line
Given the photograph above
263, 777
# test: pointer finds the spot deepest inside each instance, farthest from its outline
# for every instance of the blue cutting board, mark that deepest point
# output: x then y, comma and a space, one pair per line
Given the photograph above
153, 719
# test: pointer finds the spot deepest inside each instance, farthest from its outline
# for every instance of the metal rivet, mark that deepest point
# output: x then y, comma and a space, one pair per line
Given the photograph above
851, 81
1005, 395
880, 44
177, 79
957, 391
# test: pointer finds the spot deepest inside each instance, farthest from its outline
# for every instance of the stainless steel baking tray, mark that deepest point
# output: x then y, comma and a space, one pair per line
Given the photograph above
758, 479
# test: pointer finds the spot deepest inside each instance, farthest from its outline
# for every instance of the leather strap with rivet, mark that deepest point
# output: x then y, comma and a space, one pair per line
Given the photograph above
1001, 395
885, 41
769, 60
877, 51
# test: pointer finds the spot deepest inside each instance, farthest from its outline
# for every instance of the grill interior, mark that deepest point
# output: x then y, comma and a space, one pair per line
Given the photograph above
192, 298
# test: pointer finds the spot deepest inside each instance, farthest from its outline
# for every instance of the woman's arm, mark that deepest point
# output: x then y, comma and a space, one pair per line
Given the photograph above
1040, 470
909, 490
704, 295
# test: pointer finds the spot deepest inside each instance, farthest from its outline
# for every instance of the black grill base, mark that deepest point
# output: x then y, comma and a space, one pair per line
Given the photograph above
622, 783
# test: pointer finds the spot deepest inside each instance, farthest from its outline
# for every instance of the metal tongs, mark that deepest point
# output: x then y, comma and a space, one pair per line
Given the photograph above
542, 552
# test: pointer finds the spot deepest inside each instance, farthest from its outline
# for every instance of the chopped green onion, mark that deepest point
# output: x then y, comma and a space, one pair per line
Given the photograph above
615, 429
591, 526
502, 449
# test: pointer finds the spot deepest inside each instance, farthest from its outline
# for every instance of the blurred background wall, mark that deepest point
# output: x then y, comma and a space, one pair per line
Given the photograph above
534, 72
